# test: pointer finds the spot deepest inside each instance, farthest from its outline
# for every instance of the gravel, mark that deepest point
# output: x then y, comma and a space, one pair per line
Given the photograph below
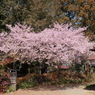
68, 91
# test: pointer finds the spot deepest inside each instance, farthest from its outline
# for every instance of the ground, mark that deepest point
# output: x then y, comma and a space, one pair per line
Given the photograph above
78, 90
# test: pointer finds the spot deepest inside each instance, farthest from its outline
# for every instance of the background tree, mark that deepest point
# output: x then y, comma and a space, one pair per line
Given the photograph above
11, 12
39, 14
80, 13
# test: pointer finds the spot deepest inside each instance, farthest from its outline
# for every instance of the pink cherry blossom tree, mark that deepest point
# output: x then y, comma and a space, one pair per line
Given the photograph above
55, 45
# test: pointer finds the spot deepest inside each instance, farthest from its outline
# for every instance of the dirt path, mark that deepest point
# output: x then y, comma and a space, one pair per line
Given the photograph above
68, 91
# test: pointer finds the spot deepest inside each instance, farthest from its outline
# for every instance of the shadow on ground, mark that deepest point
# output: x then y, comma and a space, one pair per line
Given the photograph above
55, 87
90, 87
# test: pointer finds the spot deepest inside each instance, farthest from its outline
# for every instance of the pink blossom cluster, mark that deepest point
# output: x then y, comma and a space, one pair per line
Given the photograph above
57, 45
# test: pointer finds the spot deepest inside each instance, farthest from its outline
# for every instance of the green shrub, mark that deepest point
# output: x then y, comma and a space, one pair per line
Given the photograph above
28, 81
26, 84
66, 77
31, 80
10, 89
70, 81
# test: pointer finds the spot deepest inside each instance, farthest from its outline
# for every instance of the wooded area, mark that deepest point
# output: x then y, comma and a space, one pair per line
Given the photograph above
46, 41
40, 14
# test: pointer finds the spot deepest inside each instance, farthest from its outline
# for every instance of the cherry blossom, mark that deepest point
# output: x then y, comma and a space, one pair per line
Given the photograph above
59, 44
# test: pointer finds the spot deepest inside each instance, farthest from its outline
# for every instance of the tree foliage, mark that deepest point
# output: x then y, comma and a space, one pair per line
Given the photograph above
37, 13
56, 45
80, 12
41, 14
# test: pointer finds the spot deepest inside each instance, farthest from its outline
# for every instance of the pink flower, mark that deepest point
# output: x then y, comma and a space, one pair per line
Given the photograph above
56, 45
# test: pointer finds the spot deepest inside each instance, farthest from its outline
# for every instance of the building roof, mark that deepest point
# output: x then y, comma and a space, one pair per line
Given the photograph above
91, 58
62, 67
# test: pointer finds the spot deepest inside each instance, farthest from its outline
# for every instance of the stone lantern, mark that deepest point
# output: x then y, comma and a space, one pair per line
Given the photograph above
13, 77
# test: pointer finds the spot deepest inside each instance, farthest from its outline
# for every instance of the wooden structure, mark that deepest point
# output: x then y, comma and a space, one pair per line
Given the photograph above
92, 59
